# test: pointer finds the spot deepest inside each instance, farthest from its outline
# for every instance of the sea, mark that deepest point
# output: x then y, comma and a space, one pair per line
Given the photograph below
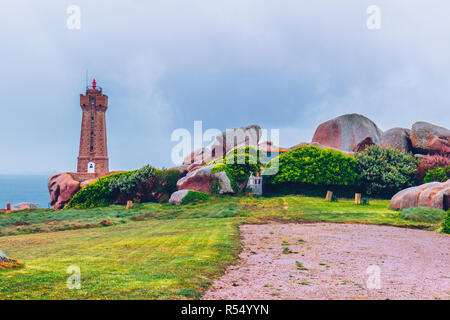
24, 188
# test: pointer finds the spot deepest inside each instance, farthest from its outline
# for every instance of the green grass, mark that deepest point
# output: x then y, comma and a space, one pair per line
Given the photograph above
153, 251
153, 259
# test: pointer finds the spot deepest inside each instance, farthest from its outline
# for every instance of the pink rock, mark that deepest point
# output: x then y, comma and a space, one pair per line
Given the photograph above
23, 206
197, 180
429, 138
87, 182
346, 132
62, 187
427, 195
397, 138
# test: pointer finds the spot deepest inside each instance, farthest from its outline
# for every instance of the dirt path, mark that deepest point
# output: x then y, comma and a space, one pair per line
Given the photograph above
330, 261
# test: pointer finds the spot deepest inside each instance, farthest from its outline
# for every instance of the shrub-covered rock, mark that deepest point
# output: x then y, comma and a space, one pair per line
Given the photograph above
446, 223
241, 162
315, 166
384, 171
423, 214
143, 185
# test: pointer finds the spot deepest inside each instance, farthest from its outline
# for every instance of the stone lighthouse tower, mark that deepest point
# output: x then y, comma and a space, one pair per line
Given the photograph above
93, 155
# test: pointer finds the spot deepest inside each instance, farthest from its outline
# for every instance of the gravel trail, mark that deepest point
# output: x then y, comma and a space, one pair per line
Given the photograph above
330, 261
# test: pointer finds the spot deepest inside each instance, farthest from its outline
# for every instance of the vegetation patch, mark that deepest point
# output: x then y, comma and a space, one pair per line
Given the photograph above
193, 197
385, 171
423, 214
438, 175
446, 223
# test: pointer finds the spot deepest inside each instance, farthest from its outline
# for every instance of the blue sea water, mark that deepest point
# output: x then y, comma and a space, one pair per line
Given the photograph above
24, 188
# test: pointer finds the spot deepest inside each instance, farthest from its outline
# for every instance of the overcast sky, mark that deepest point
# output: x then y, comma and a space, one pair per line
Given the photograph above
280, 64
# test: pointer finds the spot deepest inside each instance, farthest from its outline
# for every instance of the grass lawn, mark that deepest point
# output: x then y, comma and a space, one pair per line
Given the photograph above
153, 251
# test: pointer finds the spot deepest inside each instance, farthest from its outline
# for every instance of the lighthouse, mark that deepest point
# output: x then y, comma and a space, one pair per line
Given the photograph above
93, 154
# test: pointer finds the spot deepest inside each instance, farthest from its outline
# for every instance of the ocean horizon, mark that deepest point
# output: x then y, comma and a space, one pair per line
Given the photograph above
18, 188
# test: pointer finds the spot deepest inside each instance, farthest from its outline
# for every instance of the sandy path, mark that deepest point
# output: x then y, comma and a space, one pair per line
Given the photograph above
332, 263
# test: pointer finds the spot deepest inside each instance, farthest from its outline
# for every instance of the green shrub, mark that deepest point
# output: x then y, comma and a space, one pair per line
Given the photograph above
194, 197
422, 214
97, 194
315, 166
446, 223
142, 185
438, 174
385, 170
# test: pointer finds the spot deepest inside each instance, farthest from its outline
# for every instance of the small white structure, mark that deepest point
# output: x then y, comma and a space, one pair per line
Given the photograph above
91, 167
255, 183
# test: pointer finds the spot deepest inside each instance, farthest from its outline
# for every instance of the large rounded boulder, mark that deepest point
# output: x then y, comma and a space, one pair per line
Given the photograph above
198, 180
429, 138
346, 132
427, 195
62, 188
397, 138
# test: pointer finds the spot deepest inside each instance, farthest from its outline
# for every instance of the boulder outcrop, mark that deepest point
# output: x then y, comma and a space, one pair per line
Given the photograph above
397, 138
346, 132
62, 187
426, 195
429, 138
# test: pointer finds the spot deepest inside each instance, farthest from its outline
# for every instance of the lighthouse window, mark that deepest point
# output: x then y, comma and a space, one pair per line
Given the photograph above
92, 100
92, 133
92, 148
92, 119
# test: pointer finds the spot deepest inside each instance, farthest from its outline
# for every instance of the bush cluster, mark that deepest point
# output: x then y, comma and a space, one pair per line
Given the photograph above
142, 185
315, 166
438, 174
385, 171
